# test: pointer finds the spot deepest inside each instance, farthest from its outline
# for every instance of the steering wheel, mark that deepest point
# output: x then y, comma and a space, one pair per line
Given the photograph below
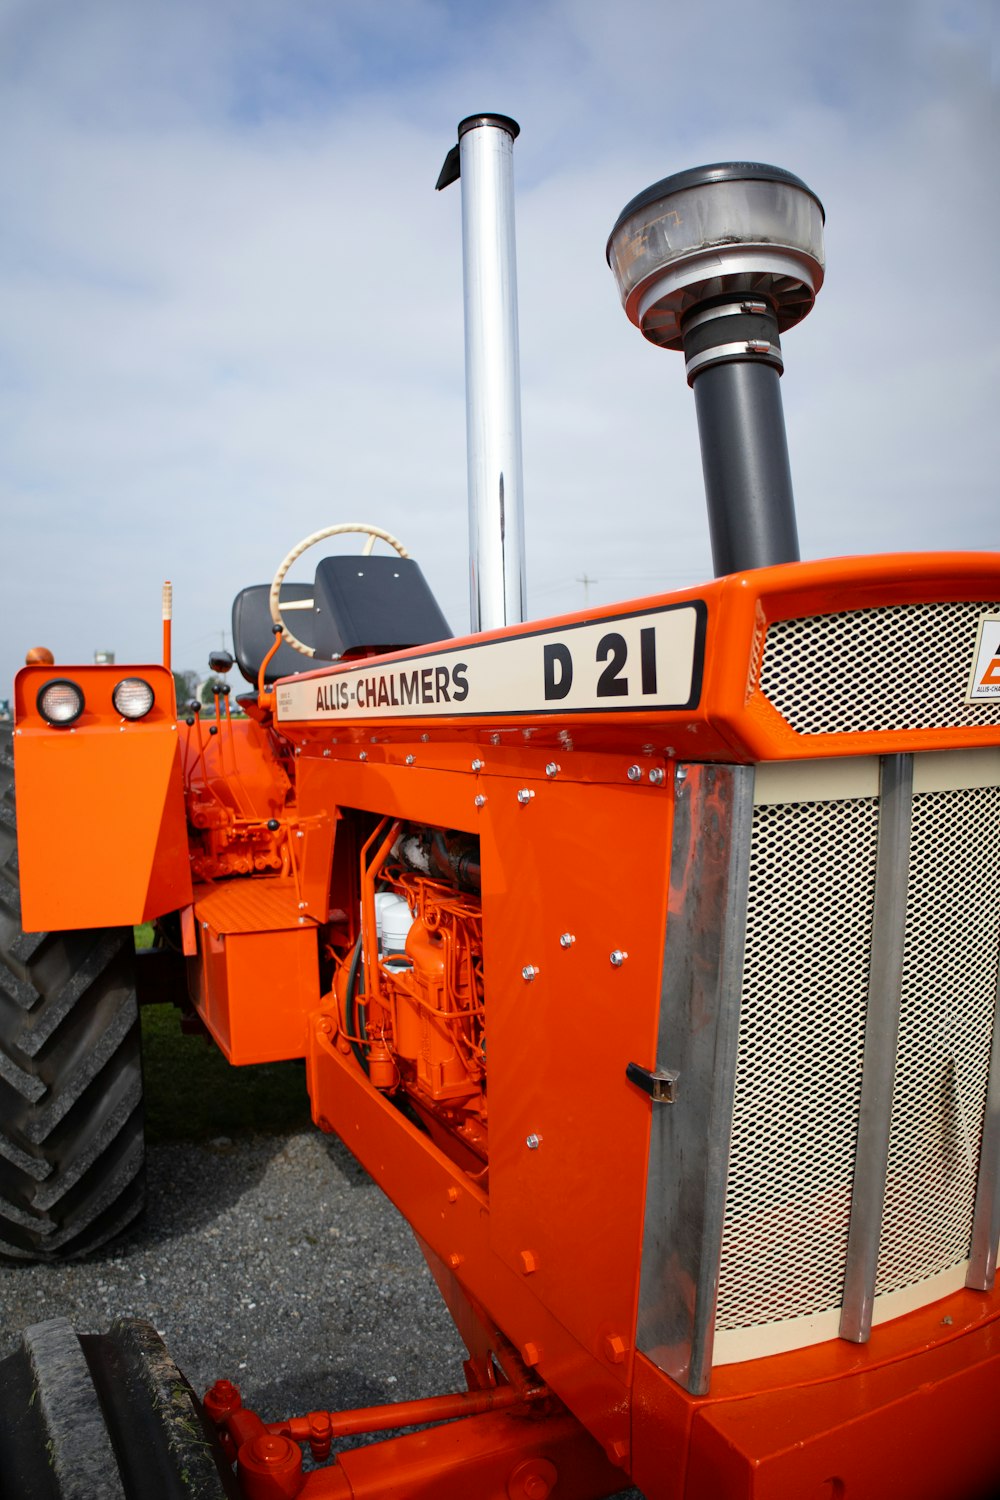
373, 533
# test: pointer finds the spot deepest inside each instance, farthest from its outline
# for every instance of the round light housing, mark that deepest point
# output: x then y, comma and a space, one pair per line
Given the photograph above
60, 702
735, 226
133, 697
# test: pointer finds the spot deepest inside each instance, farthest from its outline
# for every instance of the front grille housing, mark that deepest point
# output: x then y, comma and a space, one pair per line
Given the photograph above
889, 668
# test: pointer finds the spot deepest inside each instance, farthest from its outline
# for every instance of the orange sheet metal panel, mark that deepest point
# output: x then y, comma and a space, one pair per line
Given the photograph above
453, 1217
553, 1252
911, 1412
601, 651
256, 977
377, 779
923, 1428
101, 826
750, 603
568, 1134
603, 677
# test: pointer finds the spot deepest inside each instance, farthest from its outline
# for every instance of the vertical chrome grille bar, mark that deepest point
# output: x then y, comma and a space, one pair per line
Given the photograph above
881, 1034
698, 1027
986, 1218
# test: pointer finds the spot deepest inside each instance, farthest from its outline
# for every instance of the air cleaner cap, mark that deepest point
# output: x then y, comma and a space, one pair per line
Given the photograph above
730, 227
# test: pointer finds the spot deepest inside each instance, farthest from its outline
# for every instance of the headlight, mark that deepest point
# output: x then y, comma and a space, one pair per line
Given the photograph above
133, 698
60, 703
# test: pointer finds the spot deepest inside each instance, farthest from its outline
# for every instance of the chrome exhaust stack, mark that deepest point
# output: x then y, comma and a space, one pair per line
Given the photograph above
719, 261
484, 160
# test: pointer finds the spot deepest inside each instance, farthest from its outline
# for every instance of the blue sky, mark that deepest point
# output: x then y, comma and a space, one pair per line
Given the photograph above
230, 300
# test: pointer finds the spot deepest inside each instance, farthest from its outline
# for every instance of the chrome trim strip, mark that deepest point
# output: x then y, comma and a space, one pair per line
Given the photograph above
885, 976
698, 1029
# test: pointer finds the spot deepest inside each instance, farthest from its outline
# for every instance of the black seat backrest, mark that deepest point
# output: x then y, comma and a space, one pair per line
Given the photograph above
373, 604
253, 635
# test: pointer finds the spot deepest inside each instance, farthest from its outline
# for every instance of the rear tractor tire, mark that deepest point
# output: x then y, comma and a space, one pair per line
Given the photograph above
72, 1167
103, 1417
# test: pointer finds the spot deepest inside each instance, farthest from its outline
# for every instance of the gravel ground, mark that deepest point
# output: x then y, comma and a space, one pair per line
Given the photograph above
274, 1261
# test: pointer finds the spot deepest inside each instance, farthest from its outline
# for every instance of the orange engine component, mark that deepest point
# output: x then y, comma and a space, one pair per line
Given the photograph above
413, 1011
236, 791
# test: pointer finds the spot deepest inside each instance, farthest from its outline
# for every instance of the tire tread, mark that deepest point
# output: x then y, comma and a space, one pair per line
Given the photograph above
72, 1169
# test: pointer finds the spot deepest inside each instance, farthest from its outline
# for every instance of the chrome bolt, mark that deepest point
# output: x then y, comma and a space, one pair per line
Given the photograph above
618, 957
634, 773
567, 940
363, 755
326, 752
552, 769
410, 759
480, 801
525, 795
680, 775
528, 972
494, 739
533, 1142
657, 775
477, 765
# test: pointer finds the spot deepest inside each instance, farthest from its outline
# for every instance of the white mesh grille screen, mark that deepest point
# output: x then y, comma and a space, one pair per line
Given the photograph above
899, 666
801, 1046
946, 1016
798, 1073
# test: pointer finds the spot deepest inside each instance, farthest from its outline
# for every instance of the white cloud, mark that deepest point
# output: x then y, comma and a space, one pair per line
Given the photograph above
231, 301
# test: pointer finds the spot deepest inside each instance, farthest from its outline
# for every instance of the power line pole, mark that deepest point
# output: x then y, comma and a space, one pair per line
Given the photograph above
586, 581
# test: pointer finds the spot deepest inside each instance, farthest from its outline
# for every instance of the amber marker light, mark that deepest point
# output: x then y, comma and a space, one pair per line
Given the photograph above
133, 697
60, 703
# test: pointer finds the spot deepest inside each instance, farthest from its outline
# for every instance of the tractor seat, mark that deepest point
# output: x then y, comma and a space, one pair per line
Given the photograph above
253, 634
356, 606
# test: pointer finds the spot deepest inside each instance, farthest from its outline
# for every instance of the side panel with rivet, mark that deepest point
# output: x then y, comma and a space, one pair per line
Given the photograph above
568, 1133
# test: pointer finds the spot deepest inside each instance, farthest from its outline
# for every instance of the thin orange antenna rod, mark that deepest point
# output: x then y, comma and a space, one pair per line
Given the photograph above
168, 615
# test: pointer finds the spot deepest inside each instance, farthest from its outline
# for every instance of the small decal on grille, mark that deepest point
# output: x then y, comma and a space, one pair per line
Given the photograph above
985, 679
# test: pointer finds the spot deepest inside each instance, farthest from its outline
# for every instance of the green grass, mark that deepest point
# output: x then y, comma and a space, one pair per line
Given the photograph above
143, 936
192, 1093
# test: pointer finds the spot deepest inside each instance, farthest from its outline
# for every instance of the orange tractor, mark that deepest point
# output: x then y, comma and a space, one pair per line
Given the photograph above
646, 957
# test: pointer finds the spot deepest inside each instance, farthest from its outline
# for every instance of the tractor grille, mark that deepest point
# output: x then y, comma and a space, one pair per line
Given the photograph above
946, 1018
801, 1054
897, 666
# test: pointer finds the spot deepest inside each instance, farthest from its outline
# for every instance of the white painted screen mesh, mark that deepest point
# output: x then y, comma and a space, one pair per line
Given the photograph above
798, 1071
887, 668
946, 1019
800, 1057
